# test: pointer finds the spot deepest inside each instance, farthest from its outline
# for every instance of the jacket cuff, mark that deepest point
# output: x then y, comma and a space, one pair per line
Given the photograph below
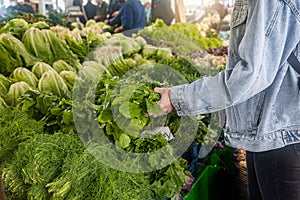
176, 98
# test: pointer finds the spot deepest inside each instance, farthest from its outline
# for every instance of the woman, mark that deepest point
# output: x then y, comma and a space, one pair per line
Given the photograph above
132, 17
260, 93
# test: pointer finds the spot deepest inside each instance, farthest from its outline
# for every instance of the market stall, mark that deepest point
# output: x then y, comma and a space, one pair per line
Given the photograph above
72, 92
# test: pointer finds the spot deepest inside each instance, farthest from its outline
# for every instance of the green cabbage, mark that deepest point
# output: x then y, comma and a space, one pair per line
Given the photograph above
23, 74
69, 77
163, 53
41, 25
52, 82
3, 104
90, 74
4, 85
96, 65
129, 45
141, 41
16, 27
149, 51
90, 22
14, 54
46, 45
60, 50
40, 68
61, 65
16, 90
37, 43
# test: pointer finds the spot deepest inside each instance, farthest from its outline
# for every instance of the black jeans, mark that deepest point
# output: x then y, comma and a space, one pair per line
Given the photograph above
275, 174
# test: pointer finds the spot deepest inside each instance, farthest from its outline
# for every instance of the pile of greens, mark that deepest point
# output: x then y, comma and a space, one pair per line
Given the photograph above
183, 38
43, 153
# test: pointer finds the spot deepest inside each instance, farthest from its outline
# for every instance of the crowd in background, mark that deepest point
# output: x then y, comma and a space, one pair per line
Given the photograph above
133, 14
126, 15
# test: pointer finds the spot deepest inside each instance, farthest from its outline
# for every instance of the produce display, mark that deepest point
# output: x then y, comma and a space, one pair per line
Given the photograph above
189, 36
44, 152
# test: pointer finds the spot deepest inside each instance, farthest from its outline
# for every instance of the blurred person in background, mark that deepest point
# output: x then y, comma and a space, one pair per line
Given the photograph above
25, 7
132, 16
102, 11
148, 12
83, 19
219, 8
77, 3
90, 10
162, 9
115, 7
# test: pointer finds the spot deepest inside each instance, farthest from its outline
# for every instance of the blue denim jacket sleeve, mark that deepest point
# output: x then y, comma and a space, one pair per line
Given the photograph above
272, 33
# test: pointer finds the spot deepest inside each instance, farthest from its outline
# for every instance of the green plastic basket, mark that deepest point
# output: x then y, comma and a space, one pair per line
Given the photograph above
209, 185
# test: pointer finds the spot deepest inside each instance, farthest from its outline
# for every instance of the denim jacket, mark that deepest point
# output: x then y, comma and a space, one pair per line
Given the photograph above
258, 89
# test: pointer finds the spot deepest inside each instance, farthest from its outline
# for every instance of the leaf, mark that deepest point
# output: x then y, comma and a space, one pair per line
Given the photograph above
153, 108
123, 141
105, 116
126, 92
55, 111
124, 110
119, 100
133, 130
68, 117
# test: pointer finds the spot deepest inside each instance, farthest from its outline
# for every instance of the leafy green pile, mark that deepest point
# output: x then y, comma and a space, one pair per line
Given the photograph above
15, 127
57, 166
183, 38
48, 158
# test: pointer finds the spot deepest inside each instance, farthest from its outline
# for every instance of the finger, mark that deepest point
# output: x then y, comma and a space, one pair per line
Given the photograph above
158, 90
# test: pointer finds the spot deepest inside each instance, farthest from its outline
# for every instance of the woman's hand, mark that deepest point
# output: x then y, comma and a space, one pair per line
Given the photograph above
165, 101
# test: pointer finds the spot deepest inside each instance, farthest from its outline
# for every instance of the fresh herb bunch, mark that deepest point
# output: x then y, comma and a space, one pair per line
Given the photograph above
15, 127
55, 112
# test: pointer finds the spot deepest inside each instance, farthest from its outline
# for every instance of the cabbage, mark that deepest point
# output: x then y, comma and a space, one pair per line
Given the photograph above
40, 68
52, 82
4, 85
3, 104
69, 77
7, 62
101, 68
128, 44
141, 41
14, 54
90, 22
37, 43
61, 65
41, 25
149, 51
23, 74
90, 74
46, 45
16, 90
60, 50
16, 27
163, 53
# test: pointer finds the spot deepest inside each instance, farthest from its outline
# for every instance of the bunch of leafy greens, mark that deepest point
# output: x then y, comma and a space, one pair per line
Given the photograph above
15, 127
57, 166
181, 37
55, 112
123, 106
